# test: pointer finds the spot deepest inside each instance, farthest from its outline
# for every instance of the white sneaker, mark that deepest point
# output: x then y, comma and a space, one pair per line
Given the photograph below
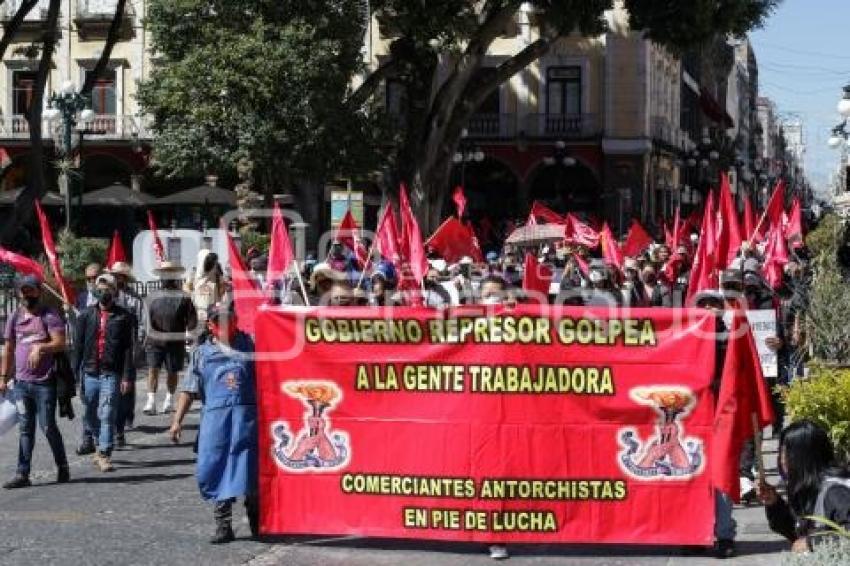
499, 552
167, 405
150, 409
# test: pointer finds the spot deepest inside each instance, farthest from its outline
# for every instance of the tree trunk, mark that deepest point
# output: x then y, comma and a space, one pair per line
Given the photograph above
37, 185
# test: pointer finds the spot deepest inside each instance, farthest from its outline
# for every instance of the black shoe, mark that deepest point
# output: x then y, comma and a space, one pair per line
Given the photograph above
120, 440
63, 475
17, 482
223, 535
87, 447
724, 549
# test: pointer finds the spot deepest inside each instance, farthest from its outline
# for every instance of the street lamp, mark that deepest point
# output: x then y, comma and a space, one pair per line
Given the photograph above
844, 103
467, 153
65, 105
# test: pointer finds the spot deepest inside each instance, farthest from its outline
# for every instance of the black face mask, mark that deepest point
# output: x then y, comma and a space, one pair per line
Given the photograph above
105, 298
31, 302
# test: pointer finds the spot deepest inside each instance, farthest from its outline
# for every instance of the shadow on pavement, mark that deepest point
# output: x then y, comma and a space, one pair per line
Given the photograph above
118, 478
131, 465
744, 548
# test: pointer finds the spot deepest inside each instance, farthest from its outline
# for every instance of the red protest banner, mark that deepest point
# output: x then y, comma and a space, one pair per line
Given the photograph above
534, 424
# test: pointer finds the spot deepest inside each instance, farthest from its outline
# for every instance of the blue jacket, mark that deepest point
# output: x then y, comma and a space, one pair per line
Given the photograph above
227, 438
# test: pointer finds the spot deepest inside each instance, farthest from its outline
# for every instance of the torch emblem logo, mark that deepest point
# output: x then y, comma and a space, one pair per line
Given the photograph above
670, 454
316, 447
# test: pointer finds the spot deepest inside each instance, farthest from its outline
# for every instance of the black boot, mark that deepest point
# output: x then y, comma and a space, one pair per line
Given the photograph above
17, 482
86, 447
223, 534
252, 509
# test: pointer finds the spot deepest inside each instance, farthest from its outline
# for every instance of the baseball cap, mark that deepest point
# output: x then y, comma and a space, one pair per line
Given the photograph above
106, 279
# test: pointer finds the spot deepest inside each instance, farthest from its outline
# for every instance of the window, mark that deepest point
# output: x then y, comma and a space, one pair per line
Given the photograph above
23, 84
103, 98
563, 95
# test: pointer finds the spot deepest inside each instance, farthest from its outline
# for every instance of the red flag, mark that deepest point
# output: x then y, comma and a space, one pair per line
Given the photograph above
460, 201
637, 240
542, 212
775, 257
536, 277
729, 237
749, 219
158, 248
386, 236
411, 239
704, 269
794, 229
453, 240
775, 208
52, 257
580, 233
21, 264
348, 234
5, 159
610, 249
247, 297
280, 248
743, 393
116, 252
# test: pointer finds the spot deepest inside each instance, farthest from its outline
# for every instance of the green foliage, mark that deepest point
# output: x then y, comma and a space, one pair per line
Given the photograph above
687, 24
255, 239
827, 237
824, 398
263, 80
829, 310
827, 552
76, 253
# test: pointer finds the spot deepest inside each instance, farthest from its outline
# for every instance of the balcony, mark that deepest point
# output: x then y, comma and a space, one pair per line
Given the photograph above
33, 21
114, 127
562, 126
93, 18
492, 126
666, 132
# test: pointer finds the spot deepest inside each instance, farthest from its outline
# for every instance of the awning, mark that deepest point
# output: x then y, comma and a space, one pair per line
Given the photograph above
8, 198
117, 195
205, 194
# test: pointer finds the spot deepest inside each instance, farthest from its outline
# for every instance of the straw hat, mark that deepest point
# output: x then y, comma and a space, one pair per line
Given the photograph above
121, 268
169, 270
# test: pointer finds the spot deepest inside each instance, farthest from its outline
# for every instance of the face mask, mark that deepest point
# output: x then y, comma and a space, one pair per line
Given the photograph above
650, 279
31, 302
105, 298
492, 300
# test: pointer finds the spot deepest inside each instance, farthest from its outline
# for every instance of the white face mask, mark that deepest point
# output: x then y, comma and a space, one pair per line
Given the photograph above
492, 300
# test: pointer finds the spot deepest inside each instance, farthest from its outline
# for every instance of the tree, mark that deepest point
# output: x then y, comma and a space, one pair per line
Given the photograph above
261, 82
45, 46
460, 32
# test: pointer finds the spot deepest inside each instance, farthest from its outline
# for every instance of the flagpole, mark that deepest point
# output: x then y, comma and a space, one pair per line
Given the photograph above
367, 264
301, 283
757, 441
56, 294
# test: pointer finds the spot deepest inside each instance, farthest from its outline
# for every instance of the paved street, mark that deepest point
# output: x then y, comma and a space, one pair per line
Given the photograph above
148, 512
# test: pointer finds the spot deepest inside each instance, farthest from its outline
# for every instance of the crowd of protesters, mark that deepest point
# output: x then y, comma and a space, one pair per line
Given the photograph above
220, 370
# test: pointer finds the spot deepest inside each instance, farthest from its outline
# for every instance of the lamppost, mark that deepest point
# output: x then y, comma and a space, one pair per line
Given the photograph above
467, 153
65, 105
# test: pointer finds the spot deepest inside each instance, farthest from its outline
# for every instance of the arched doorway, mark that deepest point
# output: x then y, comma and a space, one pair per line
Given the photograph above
563, 188
492, 195
101, 170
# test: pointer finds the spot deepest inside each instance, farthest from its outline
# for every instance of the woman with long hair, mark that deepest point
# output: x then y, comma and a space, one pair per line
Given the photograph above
816, 487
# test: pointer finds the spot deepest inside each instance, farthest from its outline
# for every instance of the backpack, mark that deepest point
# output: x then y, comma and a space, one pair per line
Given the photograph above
820, 504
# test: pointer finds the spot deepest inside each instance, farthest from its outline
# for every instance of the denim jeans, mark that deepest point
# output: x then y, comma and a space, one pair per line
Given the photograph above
101, 398
725, 526
37, 401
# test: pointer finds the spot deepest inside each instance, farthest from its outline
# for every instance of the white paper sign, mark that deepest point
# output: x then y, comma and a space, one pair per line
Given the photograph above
763, 325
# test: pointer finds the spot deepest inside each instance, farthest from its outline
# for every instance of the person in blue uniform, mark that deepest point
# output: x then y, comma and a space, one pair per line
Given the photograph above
221, 375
